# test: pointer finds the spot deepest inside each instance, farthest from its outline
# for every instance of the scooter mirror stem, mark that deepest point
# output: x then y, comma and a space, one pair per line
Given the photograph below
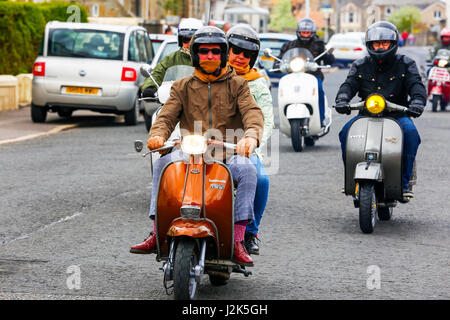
320, 55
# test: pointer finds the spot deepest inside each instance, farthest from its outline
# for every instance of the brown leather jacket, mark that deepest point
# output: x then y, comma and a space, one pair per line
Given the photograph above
220, 105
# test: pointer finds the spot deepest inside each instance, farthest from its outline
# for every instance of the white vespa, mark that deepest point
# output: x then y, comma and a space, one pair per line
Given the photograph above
298, 98
172, 74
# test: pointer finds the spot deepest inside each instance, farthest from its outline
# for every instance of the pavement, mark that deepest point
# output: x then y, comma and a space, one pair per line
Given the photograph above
16, 125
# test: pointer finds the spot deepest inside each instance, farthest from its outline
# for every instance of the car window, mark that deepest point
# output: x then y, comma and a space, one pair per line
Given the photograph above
133, 48
168, 49
143, 55
156, 44
86, 44
275, 45
148, 45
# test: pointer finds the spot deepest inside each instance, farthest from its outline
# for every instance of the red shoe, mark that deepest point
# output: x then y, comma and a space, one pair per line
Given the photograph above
146, 247
241, 255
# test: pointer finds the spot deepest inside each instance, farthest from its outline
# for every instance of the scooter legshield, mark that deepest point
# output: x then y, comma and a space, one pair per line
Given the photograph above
383, 138
210, 188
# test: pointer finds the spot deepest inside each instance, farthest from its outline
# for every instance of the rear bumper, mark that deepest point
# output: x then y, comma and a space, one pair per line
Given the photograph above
123, 101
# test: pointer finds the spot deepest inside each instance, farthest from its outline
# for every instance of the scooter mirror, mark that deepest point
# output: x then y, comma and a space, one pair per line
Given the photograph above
267, 52
146, 70
330, 50
138, 145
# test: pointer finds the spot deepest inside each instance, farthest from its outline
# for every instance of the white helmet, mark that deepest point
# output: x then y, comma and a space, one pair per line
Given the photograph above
187, 28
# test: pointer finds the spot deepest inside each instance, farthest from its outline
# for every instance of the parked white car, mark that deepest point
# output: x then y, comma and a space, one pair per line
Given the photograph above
348, 47
89, 66
168, 46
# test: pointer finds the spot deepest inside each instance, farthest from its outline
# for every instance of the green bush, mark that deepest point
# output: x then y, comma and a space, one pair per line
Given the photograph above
22, 27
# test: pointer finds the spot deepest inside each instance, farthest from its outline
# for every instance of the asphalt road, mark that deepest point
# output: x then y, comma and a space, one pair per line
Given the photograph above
73, 203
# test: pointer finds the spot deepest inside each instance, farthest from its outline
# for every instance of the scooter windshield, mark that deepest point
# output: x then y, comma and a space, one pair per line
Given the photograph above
297, 52
178, 72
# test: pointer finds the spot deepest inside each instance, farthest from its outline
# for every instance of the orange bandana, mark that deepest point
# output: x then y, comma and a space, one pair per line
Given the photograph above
247, 73
209, 77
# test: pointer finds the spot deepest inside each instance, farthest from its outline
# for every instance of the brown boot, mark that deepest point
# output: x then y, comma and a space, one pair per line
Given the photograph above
146, 247
241, 255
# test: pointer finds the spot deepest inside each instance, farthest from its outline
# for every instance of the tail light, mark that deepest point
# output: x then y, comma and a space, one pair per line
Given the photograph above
129, 74
358, 49
39, 69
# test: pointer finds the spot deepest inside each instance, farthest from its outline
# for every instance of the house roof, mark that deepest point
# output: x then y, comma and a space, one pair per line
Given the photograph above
401, 3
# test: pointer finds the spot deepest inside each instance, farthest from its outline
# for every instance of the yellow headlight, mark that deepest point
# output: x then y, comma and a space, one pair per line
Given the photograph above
442, 63
375, 104
194, 144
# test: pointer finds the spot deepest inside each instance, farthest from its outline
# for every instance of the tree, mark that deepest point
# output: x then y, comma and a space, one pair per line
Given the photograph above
406, 18
282, 16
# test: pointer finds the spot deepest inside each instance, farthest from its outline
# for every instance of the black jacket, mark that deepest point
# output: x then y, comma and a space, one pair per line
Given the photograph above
395, 82
316, 46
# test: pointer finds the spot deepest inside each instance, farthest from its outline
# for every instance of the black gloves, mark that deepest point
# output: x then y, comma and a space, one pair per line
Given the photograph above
149, 92
342, 106
415, 109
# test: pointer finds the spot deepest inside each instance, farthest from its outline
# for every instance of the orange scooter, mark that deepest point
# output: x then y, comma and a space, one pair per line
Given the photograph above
195, 219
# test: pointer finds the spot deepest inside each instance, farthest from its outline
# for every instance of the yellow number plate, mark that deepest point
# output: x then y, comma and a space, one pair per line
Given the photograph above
344, 49
267, 58
82, 90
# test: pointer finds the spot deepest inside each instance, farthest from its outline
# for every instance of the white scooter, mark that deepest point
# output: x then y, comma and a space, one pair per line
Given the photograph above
172, 74
298, 98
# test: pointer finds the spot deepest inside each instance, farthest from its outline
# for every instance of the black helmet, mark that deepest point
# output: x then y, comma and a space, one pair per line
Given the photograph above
209, 35
243, 36
379, 31
306, 24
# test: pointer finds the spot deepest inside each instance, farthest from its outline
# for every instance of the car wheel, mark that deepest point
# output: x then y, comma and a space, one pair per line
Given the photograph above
132, 116
38, 114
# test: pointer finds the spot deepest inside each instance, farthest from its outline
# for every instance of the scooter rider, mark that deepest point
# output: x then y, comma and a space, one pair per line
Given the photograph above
308, 39
443, 44
395, 76
186, 29
218, 99
244, 47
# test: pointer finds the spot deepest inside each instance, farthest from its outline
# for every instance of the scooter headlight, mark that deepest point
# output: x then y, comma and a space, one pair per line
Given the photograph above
442, 63
297, 64
375, 104
194, 144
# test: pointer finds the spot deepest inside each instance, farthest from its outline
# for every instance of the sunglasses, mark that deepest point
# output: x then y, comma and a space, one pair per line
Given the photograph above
237, 51
185, 40
214, 51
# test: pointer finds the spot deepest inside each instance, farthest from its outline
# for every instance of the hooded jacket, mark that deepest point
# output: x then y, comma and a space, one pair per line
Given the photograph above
220, 105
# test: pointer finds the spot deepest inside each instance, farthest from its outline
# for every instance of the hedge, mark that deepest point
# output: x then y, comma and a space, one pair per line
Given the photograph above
22, 27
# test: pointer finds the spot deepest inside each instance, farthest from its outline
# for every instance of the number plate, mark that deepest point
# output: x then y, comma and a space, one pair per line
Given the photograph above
81, 90
344, 49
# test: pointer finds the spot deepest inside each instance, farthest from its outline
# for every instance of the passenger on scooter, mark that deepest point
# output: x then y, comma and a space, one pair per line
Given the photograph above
308, 39
395, 76
244, 47
186, 29
218, 99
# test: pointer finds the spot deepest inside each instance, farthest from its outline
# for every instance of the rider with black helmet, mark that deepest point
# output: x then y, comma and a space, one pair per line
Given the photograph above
308, 39
392, 75
217, 102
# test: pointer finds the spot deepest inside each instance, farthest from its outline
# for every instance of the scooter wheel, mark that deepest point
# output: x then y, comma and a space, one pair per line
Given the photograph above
367, 207
385, 213
186, 258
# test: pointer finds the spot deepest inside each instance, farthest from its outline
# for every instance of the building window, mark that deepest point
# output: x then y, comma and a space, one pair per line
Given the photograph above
350, 17
388, 11
437, 15
94, 10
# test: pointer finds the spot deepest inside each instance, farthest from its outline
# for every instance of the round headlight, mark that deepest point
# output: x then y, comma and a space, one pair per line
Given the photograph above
442, 63
194, 144
297, 64
375, 104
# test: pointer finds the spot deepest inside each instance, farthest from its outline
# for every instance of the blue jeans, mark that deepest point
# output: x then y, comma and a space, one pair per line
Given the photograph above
411, 141
321, 100
261, 195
